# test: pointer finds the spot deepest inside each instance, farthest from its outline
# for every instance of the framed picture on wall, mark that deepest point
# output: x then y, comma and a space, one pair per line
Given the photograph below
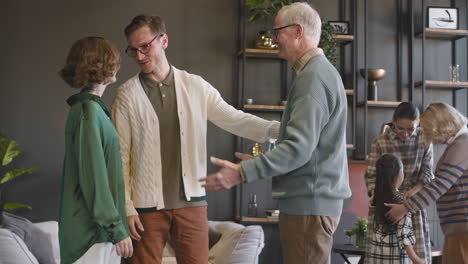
442, 17
340, 27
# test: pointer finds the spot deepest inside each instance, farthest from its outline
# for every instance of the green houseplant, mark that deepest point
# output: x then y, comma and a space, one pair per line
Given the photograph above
328, 42
360, 230
8, 151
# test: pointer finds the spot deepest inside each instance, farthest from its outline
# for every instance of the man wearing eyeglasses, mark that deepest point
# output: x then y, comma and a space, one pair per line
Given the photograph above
309, 165
161, 117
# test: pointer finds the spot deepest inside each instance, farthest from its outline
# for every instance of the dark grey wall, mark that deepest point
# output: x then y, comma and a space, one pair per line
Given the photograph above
203, 38
36, 39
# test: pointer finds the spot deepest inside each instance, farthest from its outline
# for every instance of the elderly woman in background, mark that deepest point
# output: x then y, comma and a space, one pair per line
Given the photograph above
92, 207
443, 124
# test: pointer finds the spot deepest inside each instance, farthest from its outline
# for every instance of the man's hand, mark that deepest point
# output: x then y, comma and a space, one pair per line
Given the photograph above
135, 226
396, 213
124, 248
227, 177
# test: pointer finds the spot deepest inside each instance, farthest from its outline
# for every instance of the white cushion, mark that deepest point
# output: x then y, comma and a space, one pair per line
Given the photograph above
13, 250
51, 228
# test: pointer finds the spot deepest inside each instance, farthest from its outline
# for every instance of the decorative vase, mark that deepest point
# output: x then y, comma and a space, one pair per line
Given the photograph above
265, 40
373, 75
361, 238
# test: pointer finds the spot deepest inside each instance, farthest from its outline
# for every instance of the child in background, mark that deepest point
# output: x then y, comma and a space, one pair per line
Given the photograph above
390, 243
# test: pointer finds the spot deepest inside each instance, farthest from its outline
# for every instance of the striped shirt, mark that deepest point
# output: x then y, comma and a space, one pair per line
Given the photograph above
449, 188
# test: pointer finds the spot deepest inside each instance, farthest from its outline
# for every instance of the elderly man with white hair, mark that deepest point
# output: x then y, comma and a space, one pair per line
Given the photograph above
309, 165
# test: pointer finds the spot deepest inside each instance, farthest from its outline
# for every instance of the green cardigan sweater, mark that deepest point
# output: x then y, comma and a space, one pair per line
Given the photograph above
309, 165
92, 207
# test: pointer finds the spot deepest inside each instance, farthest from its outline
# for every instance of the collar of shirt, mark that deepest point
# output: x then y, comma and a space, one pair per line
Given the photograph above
464, 129
302, 62
83, 96
166, 82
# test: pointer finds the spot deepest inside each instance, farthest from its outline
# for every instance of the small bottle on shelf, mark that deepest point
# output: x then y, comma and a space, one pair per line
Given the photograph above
252, 208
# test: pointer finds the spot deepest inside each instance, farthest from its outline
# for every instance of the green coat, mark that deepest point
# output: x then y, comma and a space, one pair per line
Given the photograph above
92, 207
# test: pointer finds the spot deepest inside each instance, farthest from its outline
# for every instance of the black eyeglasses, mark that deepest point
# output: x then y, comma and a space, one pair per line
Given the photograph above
143, 49
276, 30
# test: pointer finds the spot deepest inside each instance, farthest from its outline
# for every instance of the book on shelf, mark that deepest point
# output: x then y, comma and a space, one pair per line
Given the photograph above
272, 213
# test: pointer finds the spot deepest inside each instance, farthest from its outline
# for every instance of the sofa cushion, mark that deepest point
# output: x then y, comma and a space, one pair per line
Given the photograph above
51, 229
13, 250
38, 241
238, 244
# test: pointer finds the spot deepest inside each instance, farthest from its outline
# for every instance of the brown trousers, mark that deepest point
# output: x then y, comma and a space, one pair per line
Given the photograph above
455, 249
188, 229
307, 239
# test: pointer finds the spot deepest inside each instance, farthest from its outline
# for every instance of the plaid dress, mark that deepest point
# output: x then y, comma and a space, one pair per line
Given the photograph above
417, 161
389, 247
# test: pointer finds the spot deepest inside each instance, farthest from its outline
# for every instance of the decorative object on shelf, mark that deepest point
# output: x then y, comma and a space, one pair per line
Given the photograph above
265, 10
340, 27
373, 75
328, 42
252, 207
442, 17
8, 151
249, 101
454, 72
257, 149
283, 102
265, 40
360, 230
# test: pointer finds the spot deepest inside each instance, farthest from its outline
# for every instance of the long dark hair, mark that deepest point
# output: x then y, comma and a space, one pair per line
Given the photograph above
387, 170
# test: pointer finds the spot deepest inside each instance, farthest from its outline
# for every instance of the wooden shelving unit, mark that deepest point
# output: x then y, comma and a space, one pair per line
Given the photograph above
273, 53
380, 103
344, 39
256, 220
442, 84
263, 108
445, 34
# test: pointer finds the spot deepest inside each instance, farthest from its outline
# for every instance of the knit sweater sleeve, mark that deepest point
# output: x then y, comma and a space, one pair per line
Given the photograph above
308, 116
235, 121
449, 170
121, 119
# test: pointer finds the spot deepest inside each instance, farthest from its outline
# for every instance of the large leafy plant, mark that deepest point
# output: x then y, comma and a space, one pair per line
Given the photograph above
328, 42
264, 9
8, 152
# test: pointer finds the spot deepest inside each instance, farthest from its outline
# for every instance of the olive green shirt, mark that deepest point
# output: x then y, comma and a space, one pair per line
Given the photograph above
92, 207
163, 97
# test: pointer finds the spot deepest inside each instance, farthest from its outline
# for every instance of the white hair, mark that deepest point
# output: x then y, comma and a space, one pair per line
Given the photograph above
302, 13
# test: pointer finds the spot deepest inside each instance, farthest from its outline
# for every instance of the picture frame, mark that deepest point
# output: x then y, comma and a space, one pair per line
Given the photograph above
340, 27
442, 17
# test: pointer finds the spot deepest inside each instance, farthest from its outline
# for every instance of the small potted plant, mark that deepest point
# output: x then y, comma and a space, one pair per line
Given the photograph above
360, 230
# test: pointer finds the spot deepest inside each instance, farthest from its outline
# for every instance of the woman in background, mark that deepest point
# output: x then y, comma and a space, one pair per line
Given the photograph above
92, 210
443, 124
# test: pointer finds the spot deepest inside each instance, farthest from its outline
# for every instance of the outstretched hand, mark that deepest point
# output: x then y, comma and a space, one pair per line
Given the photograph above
227, 177
243, 156
396, 213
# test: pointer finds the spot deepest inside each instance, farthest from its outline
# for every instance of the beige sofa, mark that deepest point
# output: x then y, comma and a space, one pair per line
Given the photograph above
232, 243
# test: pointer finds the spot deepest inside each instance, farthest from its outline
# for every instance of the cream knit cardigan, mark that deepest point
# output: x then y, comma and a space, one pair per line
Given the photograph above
138, 128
